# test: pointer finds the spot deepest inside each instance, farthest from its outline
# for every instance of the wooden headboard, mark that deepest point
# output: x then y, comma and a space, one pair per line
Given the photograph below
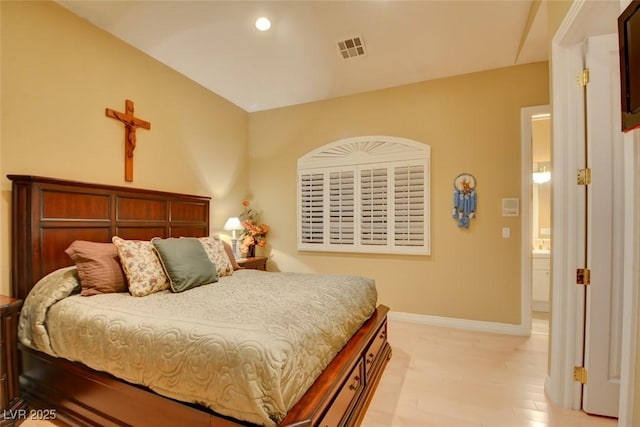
48, 214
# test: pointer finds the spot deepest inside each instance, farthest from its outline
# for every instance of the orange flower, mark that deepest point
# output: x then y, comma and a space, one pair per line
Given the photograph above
254, 232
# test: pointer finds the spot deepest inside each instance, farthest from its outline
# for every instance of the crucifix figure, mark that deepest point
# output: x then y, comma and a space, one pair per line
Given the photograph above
131, 123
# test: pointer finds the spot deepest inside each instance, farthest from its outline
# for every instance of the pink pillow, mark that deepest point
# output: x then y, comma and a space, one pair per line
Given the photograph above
232, 258
98, 267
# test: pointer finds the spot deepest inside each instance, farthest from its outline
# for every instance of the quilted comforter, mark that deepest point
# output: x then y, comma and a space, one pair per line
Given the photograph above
248, 346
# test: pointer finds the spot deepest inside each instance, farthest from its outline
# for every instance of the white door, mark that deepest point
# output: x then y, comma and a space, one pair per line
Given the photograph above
604, 229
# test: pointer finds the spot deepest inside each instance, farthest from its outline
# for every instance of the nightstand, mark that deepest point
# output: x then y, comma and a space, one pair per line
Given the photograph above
255, 263
10, 401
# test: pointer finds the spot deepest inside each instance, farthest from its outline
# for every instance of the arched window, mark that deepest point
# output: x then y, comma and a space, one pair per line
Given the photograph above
365, 194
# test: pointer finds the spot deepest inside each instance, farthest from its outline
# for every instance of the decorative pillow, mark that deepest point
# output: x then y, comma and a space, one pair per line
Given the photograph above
141, 266
185, 262
232, 258
98, 267
214, 247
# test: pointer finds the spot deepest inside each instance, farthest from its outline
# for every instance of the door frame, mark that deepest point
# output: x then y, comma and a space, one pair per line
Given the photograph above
584, 19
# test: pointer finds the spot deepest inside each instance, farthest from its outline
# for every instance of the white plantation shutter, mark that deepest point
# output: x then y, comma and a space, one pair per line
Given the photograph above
409, 205
312, 208
373, 206
341, 207
365, 194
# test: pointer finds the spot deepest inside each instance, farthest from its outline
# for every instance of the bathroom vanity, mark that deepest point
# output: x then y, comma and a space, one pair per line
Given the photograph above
540, 280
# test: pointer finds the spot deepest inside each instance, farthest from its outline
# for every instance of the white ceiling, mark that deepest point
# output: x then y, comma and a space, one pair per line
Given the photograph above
216, 44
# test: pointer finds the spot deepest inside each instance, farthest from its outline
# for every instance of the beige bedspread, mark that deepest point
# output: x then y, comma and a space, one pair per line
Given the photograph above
248, 346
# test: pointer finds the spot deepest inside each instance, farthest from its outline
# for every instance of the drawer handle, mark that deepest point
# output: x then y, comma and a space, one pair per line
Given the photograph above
355, 384
383, 335
370, 358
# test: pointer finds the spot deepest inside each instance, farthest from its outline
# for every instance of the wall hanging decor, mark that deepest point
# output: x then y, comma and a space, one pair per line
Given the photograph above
131, 123
465, 199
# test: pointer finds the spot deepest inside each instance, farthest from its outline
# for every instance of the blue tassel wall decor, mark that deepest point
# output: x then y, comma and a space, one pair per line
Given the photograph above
465, 199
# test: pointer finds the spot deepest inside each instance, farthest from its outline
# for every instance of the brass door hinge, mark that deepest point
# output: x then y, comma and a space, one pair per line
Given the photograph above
583, 276
584, 176
583, 77
580, 374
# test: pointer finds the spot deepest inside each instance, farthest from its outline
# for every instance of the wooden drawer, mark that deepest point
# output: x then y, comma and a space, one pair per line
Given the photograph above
374, 348
346, 398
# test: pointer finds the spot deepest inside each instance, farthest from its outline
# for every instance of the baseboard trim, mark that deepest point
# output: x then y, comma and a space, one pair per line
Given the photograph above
540, 306
547, 386
451, 322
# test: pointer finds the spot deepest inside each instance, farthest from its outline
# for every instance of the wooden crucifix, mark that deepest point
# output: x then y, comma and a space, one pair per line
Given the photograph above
131, 123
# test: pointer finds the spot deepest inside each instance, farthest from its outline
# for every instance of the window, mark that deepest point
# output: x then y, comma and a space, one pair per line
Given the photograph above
365, 194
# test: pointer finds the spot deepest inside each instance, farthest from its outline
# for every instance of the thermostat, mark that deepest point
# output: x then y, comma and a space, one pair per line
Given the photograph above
510, 207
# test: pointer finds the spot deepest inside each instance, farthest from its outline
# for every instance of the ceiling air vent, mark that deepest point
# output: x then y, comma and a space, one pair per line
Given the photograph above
352, 47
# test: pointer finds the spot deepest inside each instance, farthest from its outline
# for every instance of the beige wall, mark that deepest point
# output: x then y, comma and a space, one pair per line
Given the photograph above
556, 11
541, 145
58, 75
472, 123
544, 213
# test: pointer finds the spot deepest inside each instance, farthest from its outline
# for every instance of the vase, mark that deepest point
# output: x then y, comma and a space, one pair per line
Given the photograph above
251, 252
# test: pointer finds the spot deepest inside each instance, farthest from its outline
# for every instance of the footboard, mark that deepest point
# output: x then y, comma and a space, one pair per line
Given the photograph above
82, 396
342, 393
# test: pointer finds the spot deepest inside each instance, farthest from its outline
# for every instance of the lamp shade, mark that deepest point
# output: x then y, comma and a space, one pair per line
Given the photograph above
233, 223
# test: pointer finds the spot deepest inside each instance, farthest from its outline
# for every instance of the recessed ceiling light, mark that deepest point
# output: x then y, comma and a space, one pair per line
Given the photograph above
263, 24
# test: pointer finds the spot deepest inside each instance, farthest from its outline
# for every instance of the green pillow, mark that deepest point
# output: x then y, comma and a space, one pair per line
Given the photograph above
185, 262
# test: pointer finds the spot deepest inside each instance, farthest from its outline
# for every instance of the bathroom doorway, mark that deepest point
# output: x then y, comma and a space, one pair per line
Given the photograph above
537, 179
541, 222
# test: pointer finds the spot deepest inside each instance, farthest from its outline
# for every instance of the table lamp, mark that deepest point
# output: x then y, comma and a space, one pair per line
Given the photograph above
233, 224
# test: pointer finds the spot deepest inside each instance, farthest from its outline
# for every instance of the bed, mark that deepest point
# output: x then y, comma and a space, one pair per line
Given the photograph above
49, 214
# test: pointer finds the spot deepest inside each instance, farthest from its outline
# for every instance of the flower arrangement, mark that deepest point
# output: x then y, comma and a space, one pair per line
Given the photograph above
254, 232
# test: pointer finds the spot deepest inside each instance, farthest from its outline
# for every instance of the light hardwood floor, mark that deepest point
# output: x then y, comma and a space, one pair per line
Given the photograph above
443, 377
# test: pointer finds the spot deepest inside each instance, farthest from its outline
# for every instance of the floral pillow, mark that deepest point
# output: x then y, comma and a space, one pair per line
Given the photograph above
214, 247
141, 266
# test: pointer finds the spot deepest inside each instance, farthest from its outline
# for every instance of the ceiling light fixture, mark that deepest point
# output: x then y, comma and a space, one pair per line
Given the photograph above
263, 24
541, 176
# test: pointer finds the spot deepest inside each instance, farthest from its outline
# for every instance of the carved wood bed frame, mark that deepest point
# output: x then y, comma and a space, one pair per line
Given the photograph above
49, 214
